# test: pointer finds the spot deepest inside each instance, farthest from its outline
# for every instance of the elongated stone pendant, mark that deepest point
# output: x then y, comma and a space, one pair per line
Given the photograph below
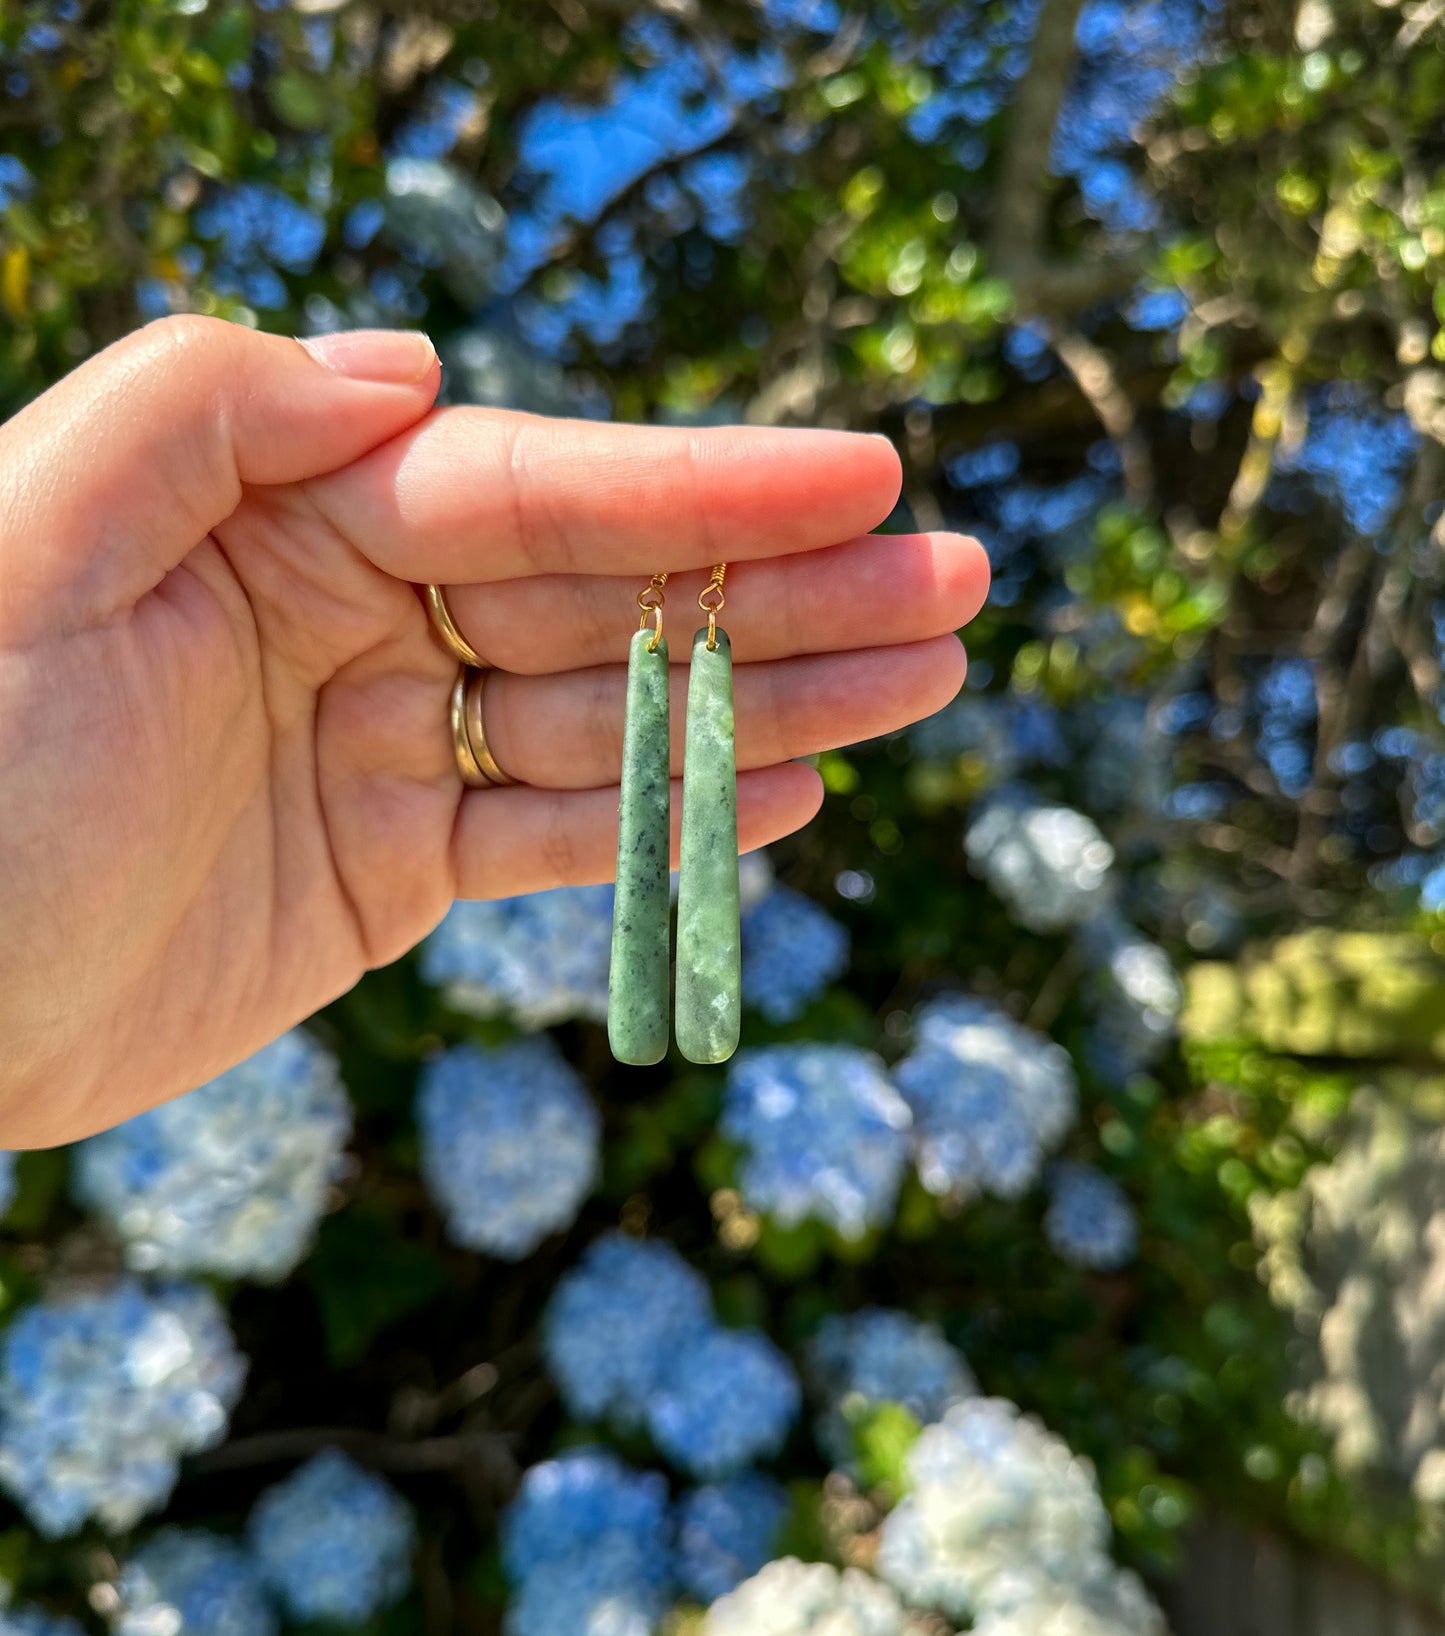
709, 940
637, 984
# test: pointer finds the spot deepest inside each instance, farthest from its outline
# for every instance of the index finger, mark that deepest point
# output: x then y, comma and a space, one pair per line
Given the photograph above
472, 495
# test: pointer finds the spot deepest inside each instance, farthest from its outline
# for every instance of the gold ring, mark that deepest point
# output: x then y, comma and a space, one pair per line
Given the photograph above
473, 682
446, 627
467, 765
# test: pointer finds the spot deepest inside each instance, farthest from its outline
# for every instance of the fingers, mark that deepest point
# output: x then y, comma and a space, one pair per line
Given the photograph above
118, 471
564, 732
484, 495
526, 840
872, 592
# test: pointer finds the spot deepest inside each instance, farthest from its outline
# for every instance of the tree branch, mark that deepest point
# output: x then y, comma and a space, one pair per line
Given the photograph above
1018, 244
1097, 380
1022, 199
487, 1451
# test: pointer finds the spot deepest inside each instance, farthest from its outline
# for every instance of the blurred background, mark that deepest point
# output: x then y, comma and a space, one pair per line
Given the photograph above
1071, 1223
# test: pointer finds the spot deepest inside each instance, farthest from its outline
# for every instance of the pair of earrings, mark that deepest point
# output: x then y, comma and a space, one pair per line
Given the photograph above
709, 940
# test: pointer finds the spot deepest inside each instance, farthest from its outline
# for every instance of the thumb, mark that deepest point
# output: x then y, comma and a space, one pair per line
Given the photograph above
108, 479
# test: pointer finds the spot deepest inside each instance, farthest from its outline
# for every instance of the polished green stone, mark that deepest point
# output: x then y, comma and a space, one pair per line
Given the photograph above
709, 941
638, 979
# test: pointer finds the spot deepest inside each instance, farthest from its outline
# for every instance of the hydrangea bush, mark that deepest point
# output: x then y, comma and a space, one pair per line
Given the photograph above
939, 1308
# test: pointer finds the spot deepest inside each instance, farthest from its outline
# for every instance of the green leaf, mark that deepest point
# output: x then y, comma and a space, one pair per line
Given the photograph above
883, 1433
791, 1252
365, 1278
40, 1180
300, 102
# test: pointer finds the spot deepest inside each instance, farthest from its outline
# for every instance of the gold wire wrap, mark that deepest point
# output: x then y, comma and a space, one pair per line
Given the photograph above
712, 608
710, 599
651, 600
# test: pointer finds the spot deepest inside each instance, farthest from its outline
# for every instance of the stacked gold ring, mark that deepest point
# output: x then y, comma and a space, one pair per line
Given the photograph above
475, 761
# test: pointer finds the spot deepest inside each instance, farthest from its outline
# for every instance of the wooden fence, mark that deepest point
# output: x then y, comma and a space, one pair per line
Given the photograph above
1239, 1583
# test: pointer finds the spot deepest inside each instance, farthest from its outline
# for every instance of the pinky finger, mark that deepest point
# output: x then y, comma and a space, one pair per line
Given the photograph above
518, 840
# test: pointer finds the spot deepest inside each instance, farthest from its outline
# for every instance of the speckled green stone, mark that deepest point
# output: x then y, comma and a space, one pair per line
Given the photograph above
638, 978
709, 941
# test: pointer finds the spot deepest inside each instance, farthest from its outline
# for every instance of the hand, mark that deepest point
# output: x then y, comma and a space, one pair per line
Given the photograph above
226, 775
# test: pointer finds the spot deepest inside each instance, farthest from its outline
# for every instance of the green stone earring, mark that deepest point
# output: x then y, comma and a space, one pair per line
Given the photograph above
709, 938
637, 981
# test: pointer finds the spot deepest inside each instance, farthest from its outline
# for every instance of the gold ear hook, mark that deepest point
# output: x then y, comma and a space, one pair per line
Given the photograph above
712, 602
651, 600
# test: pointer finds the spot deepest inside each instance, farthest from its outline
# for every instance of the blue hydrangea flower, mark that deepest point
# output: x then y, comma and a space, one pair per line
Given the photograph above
587, 1502
792, 1598
1050, 865
509, 1143
727, 1398
991, 1496
567, 1505
726, 1532
1090, 1220
859, 1359
100, 1396
539, 959
333, 1541
602, 1594
615, 1320
192, 1583
989, 1099
26, 1620
231, 1179
587, 1546
823, 1132
792, 950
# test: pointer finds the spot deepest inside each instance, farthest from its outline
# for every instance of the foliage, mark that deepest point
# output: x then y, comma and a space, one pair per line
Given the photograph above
1148, 294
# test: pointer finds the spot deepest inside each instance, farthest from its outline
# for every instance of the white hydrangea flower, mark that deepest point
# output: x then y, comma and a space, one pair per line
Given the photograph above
230, 1179
102, 1393
1049, 864
993, 1494
755, 878
792, 1598
990, 1098
1137, 993
1114, 1603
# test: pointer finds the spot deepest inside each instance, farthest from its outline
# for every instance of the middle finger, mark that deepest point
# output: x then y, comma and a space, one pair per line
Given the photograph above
868, 592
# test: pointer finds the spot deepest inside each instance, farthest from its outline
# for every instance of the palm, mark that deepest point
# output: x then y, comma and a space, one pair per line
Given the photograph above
228, 769
274, 806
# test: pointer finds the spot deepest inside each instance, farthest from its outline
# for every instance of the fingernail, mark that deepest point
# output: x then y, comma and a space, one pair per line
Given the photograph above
397, 357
